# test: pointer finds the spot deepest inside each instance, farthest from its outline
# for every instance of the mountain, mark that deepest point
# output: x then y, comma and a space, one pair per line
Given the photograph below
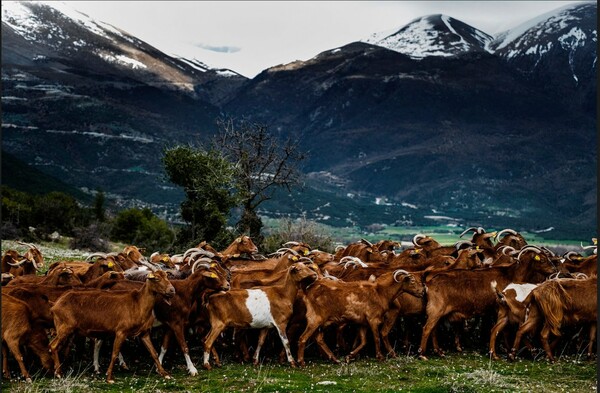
94, 106
557, 52
433, 35
431, 121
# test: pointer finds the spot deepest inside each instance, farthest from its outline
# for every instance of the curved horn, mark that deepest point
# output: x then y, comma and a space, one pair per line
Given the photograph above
329, 276
507, 249
338, 248
96, 254
283, 250
468, 230
155, 253
305, 260
588, 247
368, 243
22, 261
418, 237
289, 244
399, 271
30, 245
202, 262
528, 248
480, 230
568, 255
358, 260
458, 245
149, 265
507, 230
549, 251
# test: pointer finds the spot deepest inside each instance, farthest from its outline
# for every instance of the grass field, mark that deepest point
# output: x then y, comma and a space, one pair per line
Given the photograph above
469, 372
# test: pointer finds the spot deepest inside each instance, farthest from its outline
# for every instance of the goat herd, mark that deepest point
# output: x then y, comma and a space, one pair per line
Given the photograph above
304, 293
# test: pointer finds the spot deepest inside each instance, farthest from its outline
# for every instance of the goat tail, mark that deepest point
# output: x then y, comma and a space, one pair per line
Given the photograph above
552, 299
499, 294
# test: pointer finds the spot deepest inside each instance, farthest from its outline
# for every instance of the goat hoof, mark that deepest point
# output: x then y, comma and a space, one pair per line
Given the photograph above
167, 376
207, 367
393, 354
423, 357
458, 349
28, 380
293, 364
193, 372
110, 381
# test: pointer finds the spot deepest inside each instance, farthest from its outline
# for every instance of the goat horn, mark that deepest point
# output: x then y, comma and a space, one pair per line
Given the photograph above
417, 238
507, 230
149, 265
480, 230
96, 254
568, 255
30, 245
288, 244
283, 250
468, 230
399, 271
154, 254
305, 259
361, 263
368, 243
549, 251
338, 248
506, 249
329, 276
528, 248
588, 247
458, 245
200, 262
22, 261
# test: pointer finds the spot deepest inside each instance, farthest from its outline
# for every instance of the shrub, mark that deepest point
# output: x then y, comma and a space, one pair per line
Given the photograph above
143, 229
92, 238
300, 230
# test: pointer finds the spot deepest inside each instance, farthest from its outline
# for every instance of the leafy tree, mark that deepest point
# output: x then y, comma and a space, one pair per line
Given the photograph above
262, 164
99, 209
207, 179
143, 229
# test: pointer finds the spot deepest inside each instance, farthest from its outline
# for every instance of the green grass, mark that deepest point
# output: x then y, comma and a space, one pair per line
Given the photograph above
455, 373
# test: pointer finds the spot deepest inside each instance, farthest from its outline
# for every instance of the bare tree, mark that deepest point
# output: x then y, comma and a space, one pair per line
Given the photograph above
263, 163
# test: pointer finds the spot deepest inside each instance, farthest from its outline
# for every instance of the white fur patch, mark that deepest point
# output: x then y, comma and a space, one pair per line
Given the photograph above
260, 308
522, 290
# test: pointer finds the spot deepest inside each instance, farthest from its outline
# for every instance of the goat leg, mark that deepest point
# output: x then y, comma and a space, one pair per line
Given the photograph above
362, 334
148, 343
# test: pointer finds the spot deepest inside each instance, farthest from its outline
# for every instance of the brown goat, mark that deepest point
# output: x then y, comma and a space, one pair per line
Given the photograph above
19, 328
124, 314
360, 302
563, 302
461, 294
27, 264
258, 308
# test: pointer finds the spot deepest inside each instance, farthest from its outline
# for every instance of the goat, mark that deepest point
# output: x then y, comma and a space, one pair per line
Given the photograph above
510, 308
18, 328
558, 303
176, 315
61, 275
18, 265
124, 314
258, 308
364, 303
460, 294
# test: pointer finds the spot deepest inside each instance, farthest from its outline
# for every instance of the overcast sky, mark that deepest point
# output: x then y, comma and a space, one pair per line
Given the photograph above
249, 36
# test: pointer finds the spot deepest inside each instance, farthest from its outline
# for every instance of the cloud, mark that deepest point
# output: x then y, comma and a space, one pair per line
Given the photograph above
220, 49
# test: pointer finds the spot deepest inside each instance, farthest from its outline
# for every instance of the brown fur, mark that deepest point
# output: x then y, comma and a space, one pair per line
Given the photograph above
124, 314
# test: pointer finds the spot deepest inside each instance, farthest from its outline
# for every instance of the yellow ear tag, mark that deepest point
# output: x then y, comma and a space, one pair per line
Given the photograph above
213, 265
151, 275
305, 252
110, 265
416, 250
294, 258
537, 258
477, 247
166, 259
213, 275
595, 241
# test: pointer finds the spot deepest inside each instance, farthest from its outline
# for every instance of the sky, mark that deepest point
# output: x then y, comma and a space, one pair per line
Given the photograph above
250, 36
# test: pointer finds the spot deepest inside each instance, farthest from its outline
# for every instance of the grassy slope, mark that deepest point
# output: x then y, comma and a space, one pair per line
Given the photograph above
455, 373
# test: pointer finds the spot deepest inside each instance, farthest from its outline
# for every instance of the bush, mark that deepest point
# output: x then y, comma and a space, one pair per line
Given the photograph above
142, 228
92, 238
299, 230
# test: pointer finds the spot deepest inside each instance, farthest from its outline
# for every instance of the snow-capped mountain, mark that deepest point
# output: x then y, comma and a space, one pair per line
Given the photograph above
570, 30
558, 51
53, 33
432, 35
